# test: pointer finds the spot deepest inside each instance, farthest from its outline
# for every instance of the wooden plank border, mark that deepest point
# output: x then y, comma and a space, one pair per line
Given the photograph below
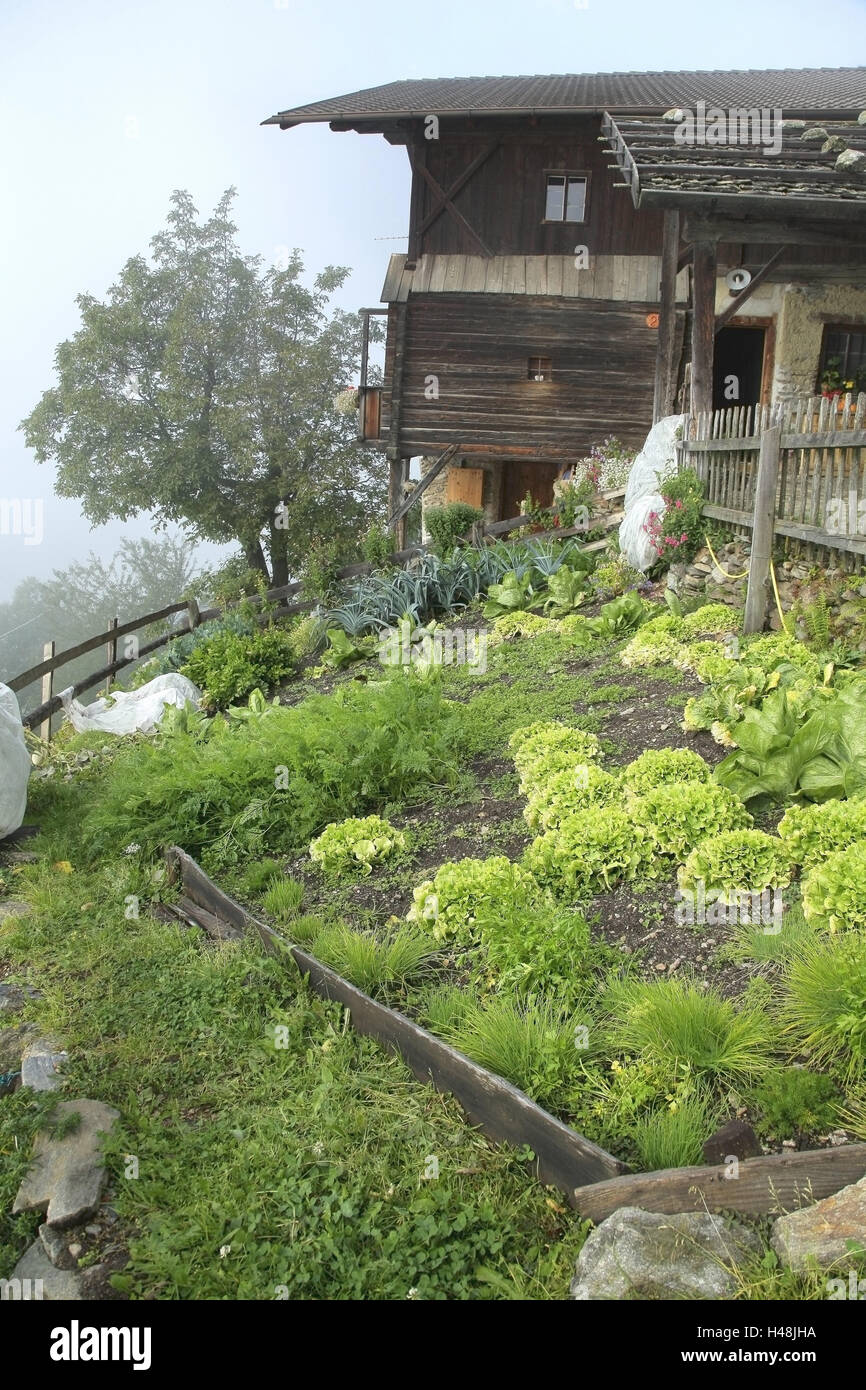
564, 1158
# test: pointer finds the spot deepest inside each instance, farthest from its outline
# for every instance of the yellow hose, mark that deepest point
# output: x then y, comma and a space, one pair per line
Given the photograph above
785, 627
715, 561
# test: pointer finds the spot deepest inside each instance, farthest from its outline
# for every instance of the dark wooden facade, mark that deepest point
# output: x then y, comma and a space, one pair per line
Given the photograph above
477, 346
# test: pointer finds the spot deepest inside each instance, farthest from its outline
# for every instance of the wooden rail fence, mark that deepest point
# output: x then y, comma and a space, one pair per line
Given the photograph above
283, 601
794, 470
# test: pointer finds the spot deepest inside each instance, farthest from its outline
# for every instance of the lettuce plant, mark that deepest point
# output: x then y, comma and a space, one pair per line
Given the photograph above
355, 844
834, 891
589, 853
816, 831
568, 792
520, 624
652, 646
462, 895
567, 590
735, 862
546, 747
677, 817
712, 620
658, 767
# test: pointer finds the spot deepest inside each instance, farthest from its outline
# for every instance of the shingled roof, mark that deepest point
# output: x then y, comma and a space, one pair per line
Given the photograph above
800, 91
821, 167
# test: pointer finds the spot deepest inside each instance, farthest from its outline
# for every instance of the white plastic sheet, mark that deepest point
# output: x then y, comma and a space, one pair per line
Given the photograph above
14, 763
132, 711
642, 496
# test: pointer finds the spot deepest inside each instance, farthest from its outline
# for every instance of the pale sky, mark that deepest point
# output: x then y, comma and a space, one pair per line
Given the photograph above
109, 105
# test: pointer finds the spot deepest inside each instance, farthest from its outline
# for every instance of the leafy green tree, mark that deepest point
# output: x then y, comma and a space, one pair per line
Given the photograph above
202, 388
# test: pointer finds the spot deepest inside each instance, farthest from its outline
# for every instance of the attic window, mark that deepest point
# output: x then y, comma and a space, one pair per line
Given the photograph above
540, 369
566, 198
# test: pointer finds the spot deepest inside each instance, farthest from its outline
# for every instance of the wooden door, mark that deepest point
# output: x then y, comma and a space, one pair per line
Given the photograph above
520, 478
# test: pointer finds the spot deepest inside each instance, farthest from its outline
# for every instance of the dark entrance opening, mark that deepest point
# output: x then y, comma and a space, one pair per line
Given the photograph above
738, 367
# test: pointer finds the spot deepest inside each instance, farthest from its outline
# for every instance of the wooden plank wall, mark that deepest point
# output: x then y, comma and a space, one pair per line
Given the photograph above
504, 200
478, 347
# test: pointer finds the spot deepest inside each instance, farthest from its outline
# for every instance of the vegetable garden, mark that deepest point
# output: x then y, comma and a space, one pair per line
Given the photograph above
619, 862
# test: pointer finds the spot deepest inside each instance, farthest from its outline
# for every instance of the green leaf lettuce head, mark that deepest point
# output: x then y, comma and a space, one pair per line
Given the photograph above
814, 832
355, 844
678, 817
735, 862
589, 853
834, 891
464, 894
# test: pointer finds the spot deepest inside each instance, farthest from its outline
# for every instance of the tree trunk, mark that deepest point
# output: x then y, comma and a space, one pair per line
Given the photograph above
279, 561
255, 557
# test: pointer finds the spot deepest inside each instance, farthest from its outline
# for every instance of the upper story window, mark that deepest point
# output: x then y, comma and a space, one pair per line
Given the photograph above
566, 198
843, 360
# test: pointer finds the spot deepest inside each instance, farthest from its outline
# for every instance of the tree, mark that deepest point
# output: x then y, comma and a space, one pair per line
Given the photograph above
202, 390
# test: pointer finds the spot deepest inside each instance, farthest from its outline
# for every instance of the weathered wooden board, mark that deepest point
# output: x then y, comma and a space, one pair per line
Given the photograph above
564, 1158
777, 1182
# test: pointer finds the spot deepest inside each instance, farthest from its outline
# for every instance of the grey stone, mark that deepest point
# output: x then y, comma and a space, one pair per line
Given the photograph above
643, 1255
736, 1139
833, 144
14, 908
851, 159
12, 1044
13, 997
67, 1175
815, 132
57, 1285
822, 1232
55, 1246
41, 1063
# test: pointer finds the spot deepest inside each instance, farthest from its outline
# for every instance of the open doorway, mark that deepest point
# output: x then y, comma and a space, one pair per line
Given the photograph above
741, 366
520, 478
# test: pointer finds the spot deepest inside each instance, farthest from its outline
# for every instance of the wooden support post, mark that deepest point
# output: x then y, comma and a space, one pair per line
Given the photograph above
703, 326
194, 614
401, 525
48, 654
111, 651
757, 596
395, 491
665, 381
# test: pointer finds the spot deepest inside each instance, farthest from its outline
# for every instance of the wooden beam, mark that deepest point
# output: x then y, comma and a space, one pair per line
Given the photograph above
685, 258
703, 326
665, 376
455, 212
732, 309
459, 183
417, 155
775, 1182
801, 232
417, 492
47, 691
757, 594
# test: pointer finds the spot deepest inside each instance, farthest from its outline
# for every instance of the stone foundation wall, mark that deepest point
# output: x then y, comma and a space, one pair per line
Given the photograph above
437, 493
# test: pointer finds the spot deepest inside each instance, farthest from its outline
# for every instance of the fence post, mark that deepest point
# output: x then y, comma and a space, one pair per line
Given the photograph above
48, 652
110, 652
194, 613
763, 526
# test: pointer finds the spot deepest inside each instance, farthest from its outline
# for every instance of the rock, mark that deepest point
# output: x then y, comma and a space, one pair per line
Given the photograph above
643, 1255
13, 997
815, 132
14, 908
852, 159
736, 1139
67, 1175
833, 144
55, 1246
822, 1232
40, 1064
12, 1044
861, 119
57, 1285
75, 1249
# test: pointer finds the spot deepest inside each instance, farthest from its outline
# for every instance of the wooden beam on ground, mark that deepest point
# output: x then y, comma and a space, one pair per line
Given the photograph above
730, 310
757, 594
417, 492
665, 376
703, 326
776, 1182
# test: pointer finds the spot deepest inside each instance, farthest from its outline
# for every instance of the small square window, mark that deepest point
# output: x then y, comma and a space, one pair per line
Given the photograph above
566, 198
539, 369
843, 360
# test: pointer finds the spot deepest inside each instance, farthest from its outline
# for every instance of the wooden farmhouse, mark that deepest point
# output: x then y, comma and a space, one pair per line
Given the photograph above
590, 252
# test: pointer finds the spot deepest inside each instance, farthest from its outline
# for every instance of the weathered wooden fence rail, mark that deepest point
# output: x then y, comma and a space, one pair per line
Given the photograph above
283, 601
796, 470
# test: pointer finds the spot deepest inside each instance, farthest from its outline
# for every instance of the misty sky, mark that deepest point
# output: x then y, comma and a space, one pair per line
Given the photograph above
109, 105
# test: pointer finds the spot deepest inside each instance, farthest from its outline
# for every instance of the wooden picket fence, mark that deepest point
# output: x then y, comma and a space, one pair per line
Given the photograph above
794, 470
